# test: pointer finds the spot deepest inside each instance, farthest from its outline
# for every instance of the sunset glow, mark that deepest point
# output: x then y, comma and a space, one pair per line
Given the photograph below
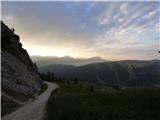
111, 30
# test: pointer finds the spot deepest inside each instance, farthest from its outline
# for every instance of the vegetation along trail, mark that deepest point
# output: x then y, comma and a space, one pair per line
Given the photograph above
34, 110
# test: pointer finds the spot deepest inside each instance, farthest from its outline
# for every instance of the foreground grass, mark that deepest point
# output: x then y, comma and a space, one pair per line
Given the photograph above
72, 102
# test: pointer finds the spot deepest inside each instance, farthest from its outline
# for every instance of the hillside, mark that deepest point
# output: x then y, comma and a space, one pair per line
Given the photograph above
20, 79
120, 73
74, 102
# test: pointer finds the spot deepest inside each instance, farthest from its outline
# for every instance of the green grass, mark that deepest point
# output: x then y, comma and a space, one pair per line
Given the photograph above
73, 102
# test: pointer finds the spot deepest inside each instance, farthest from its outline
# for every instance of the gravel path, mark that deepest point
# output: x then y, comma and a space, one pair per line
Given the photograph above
35, 109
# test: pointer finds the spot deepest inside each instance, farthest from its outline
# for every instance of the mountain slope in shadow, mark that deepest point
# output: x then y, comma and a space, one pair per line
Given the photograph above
122, 73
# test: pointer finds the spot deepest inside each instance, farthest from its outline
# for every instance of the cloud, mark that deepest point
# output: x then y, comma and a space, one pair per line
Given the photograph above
124, 8
90, 7
9, 18
107, 15
150, 14
132, 33
115, 17
115, 30
120, 19
157, 26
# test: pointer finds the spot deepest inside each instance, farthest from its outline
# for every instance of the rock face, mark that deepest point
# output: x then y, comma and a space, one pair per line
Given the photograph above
18, 72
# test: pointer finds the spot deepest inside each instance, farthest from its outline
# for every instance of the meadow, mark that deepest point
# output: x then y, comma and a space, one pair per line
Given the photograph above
74, 102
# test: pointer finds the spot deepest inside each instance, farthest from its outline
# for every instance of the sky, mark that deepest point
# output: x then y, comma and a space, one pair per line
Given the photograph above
111, 30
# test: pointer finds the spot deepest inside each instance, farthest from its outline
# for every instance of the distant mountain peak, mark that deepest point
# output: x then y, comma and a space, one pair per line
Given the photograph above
96, 58
66, 60
66, 56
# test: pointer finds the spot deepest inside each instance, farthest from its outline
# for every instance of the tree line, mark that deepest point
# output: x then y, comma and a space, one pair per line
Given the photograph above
50, 77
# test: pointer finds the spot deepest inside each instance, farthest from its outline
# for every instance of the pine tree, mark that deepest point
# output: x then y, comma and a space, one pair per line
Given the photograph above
52, 77
48, 76
42, 75
75, 81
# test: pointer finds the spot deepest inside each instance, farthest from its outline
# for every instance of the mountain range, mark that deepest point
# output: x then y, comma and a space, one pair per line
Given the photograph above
67, 60
121, 73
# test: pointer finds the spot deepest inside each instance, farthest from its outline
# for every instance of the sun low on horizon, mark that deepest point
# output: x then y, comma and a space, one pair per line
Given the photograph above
111, 30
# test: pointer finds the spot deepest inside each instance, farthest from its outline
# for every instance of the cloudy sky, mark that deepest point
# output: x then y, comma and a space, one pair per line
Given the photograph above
111, 30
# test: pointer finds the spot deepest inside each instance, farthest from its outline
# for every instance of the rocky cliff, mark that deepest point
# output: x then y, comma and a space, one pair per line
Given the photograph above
18, 73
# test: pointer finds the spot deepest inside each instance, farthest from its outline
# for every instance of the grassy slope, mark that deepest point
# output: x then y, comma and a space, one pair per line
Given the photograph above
75, 103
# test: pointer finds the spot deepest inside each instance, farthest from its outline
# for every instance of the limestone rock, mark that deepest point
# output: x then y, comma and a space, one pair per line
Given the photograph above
18, 72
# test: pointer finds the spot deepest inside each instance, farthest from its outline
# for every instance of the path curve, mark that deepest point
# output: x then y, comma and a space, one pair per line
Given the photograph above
35, 109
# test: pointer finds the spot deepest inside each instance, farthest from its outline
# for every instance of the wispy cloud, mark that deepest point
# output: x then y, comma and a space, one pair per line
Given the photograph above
112, 30
127, 27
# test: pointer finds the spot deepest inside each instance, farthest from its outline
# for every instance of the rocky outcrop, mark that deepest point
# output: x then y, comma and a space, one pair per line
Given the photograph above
18, 72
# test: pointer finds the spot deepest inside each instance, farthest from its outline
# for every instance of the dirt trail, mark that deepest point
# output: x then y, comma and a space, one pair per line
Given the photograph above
35, 109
